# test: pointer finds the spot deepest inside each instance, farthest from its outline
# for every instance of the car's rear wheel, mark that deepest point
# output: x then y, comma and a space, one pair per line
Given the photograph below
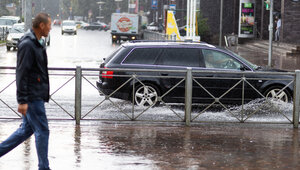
7, 48
146, 95
278, 94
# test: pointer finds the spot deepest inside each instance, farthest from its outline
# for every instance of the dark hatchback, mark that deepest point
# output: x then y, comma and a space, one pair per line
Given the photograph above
216, 84
97, 26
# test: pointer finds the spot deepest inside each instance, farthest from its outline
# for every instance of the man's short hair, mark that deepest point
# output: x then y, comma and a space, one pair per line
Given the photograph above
40, 18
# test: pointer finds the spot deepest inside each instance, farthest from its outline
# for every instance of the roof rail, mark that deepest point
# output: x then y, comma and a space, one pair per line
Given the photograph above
190, 41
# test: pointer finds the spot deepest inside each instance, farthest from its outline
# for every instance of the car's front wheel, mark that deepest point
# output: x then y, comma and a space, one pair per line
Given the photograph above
146, 95
278, 94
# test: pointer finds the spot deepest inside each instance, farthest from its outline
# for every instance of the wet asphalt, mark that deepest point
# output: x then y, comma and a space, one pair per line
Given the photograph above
141, 145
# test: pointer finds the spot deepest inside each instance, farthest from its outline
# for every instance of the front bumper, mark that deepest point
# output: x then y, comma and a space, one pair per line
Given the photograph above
11, 43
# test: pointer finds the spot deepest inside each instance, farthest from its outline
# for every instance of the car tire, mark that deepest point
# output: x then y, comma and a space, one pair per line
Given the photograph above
75, 33
147, 95
7, 48
284, 96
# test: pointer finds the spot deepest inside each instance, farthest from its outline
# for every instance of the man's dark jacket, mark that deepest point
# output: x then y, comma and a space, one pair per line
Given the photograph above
32, 70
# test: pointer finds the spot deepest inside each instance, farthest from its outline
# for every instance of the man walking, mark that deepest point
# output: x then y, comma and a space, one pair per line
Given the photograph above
32, 90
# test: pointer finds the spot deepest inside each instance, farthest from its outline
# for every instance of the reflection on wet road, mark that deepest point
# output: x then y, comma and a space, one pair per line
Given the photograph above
103, 145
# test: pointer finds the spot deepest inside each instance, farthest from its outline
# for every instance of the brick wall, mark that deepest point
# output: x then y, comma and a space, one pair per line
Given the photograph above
291, 22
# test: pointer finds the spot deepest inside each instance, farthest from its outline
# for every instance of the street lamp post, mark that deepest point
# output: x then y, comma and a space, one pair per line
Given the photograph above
270, 34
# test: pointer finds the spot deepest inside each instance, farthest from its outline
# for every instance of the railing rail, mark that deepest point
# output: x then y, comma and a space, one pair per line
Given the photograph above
188, 76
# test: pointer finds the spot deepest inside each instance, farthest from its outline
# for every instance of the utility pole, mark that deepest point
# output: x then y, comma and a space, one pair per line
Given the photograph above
270, 33
28, 14
191, 20
221, 23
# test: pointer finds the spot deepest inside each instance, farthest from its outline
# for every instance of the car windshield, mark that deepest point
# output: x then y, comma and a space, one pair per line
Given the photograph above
17, 30
253, 66
68, 23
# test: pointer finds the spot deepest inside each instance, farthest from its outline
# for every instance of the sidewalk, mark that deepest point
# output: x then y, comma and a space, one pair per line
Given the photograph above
285, 56
142, 145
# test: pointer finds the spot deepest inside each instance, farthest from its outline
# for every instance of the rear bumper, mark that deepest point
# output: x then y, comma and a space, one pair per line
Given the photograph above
106, 89
118, 36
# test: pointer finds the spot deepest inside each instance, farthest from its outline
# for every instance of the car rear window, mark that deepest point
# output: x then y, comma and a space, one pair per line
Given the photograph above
142, 56
188, 57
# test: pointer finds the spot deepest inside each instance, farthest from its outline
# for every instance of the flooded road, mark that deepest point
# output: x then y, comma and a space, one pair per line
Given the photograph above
107, 145
136, 144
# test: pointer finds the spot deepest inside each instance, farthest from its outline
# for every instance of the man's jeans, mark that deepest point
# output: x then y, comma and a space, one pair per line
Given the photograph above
35, 122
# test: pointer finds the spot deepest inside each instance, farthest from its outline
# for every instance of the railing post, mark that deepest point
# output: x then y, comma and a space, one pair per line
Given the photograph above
188, 96
78, 89
296, 99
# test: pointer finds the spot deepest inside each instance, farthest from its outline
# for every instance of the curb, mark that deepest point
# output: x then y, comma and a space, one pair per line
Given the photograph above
3, 44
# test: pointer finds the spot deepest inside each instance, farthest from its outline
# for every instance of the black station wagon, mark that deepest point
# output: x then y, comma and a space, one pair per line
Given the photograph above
217, 77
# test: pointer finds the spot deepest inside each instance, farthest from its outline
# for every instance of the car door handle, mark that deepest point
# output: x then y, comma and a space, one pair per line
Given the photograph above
164, 74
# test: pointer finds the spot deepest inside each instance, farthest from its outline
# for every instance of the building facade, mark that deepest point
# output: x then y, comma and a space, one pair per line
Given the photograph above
210, 9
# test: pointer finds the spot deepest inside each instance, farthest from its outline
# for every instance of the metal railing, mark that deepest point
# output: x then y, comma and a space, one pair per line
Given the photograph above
188, 78
3, 33
151, 35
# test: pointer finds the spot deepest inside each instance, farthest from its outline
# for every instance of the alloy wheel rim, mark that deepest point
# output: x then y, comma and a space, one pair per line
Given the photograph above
278, 96
146, 96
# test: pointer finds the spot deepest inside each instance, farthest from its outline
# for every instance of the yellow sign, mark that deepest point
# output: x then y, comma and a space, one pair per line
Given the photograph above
172, 28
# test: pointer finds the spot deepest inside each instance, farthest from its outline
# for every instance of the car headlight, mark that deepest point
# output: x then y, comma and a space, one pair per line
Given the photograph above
9, 38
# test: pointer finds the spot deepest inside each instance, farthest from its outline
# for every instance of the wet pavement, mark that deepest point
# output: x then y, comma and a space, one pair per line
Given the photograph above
257, 53
115, 145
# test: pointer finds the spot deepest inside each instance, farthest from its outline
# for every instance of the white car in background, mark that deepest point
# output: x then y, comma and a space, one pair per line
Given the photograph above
68, 26
14, 35
6, 23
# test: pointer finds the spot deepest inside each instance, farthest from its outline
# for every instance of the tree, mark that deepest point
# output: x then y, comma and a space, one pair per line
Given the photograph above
3, 10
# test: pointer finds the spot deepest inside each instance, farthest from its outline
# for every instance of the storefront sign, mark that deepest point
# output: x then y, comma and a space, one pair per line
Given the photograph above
247, 18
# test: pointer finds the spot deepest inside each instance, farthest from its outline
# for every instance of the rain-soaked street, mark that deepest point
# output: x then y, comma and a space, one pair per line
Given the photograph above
141, 144
113, 145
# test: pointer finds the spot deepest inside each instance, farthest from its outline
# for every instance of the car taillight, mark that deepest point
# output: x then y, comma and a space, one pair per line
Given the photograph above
107, 74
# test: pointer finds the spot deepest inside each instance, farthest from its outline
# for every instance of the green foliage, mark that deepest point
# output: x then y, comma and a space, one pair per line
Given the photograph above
203, 27
3, 10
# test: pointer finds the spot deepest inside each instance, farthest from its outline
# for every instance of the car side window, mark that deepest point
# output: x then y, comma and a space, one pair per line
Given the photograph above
216, 59
142, 56
188, 57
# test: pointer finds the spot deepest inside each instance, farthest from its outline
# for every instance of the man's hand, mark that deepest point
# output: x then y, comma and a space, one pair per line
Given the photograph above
22, 108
